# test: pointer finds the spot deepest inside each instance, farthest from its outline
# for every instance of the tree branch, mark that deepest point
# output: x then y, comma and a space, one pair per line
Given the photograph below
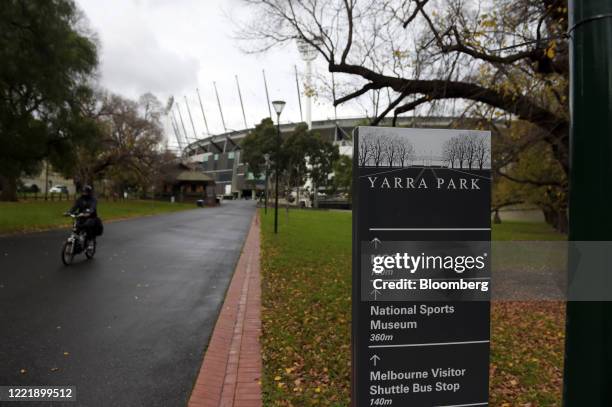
349, 40
535, 182
364, 89
408, 107
522, 106
388, 109
420, 5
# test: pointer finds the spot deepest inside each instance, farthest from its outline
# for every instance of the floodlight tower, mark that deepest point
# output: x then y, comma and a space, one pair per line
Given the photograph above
308, 53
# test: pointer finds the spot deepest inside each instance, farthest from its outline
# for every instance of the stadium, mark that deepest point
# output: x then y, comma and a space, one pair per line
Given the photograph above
219, 158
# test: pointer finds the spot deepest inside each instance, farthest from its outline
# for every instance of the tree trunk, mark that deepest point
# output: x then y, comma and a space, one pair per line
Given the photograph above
557, 218
9, 188
298, 189
46, 180
548, 216
562, 223
496, 219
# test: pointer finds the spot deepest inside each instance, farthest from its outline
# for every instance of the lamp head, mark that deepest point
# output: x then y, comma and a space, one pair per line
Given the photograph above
278, 106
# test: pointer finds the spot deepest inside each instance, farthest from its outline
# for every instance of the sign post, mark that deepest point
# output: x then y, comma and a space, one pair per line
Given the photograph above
588, 341
421, 267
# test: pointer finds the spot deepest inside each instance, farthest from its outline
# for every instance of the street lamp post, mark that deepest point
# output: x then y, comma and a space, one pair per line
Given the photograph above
278, 108
267, 158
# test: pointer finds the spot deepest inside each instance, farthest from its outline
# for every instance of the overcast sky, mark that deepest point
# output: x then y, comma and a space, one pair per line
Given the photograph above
172, 47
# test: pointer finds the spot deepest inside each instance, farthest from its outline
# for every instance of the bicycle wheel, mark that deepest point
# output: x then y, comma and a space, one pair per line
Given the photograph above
67, 253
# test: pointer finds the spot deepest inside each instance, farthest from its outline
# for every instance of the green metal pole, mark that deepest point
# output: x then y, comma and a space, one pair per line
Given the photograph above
277, 159
588, 352
266, 193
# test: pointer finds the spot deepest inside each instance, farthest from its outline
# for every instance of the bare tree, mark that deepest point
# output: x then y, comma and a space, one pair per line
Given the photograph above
405, 151
470, 145
494, 57
462, 150
365, 151
391, 145
378, 151
130, 143
449, 151
426, 51
482, 152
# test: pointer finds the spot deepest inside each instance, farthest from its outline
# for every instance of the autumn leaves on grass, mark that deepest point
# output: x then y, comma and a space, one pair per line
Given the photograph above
306, 290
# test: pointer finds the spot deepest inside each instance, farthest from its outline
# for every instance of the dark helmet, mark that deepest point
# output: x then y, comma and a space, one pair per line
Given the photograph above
87, 190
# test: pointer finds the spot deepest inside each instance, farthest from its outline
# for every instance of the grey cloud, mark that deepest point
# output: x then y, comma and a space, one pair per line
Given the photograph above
138, 63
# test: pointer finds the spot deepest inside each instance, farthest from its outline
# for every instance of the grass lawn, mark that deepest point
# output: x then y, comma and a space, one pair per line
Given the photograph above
306, 318
30, 216
517, 230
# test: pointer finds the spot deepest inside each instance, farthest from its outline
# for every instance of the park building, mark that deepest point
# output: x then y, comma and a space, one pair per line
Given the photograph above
219, 156
47, 180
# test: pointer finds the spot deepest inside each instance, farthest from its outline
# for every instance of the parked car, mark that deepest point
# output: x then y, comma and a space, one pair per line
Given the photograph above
59, 189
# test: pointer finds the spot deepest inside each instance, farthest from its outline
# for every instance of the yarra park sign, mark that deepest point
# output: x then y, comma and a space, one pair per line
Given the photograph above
421, 267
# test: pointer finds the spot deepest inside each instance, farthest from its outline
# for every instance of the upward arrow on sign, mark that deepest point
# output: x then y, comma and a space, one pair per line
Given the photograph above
375, 293
375, 359
375, 242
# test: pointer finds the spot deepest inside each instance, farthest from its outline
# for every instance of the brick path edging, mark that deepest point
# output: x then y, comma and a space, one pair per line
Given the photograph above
230, 375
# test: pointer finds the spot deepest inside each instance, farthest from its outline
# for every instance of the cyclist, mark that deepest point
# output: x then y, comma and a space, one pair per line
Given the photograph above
86, 206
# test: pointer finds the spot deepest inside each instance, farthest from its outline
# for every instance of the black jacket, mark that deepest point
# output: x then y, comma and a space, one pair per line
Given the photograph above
84, 203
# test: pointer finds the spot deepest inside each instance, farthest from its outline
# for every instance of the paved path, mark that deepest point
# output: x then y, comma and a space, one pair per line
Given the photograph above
231, 371
128, 328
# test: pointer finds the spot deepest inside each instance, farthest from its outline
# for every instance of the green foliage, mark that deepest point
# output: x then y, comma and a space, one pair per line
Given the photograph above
261, 141
343, 175
125, 147
526, 231
296, 149
321, 156
46, 63
530, 174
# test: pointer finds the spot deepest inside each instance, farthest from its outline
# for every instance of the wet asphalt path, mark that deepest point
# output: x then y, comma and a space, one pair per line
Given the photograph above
134, 321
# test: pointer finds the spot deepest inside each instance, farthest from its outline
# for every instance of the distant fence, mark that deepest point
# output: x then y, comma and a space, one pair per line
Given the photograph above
56, 196
51, 196
334, 204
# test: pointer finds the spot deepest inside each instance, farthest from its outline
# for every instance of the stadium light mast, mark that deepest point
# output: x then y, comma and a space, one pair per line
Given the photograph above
195, 133
170, 115
246, 126
308, 53
299, 95
220, 109
182, 122
202, 109
263, 71
177, 132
